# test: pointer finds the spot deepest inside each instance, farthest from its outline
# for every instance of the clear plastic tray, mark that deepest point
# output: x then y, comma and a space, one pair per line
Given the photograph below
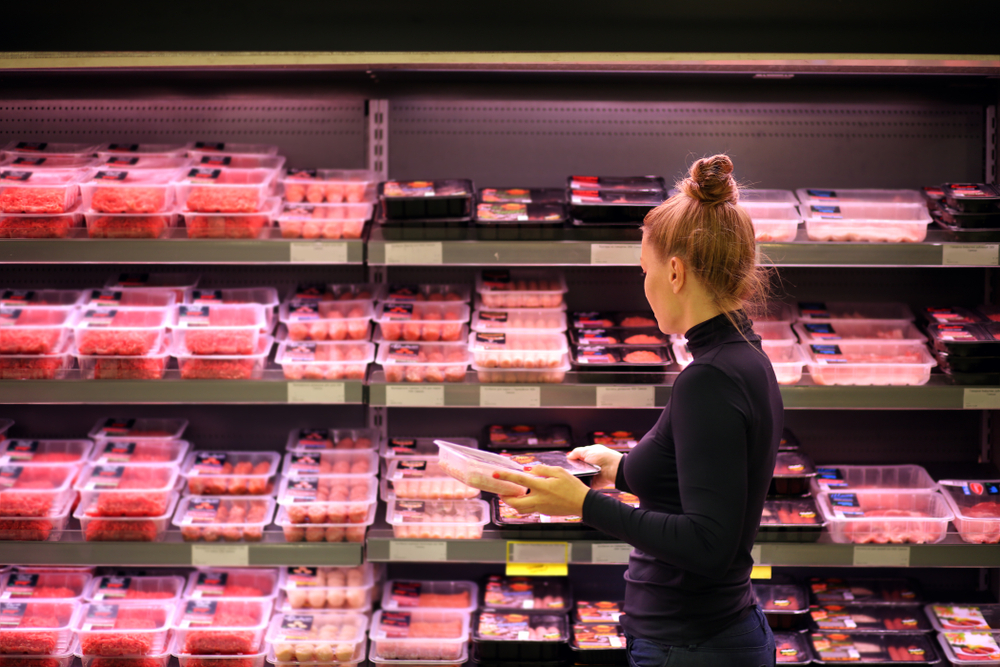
199, 149
126, 490
424, 479
256, 659
972, 648
41, 628
39, 225
408, 448
126, 529
604, 320
224, 190
327, 587
325, 360
862, 363
33, 330
355, 660
110, 190
121, 367
133, 298
223, 518
42, 191
764, 196
241, 161
519, 320
111, 588
231, 225
885, 312
129, 225
326, 597
177, 164
329, 185
265, 296
44, 298
517, 350
424, 362
232, 582
330, 462
836, 647
324, 532
51, 366
126, 332
404, 594
618, 337
475, 468
343, 292
882, 590
174, 282
141, 150
861, 479
791, 520
976, 505
437, 519
869, 618
376, 658
52, 660
431, 634
130, 429
617, 183
866, 196
209, 329
787, 360
221, 627
524, 375
326, 320
772, 222
414, 293
503, 515
25, 161
896, 517
323, 221
219, 473
317, 636
61, 585
876, 331
49, 528
336, 499
520, 288
424, 321
224, 367
156, 452
312, 439
526, 593
948, 617
13, 452
48, 148
787, 600
893, 223
35, 491
115, 628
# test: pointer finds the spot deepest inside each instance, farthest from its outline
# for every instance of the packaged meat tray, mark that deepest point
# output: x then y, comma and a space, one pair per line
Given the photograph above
792, 648
517, 350
418, 293
520, 214
129, 429
326, 320
617, 183
874, 618
861, 363
223, 518
348, 292
129, 191
326, 588
423, 479
312, 439
426, 200
52, 660
611, 207
336, 499
615, 336
231, 473
495, 375
961, 223
350, 529
35, 491
408, 448
24, 161
437, 519
51, 366
972, 197
424, 321
528, 436
419, 634
44, 451
772, 222
966, 340
215, 582
520, 288
475, 468
620, 441
141, 150
598, 363
39, 225
896, 517
317, 636
223, 190
864, 591
129, 225
174, 283
837, 647
221, 627
892, 223
126, 332
964, 617
522, 196
329, 185
323, 221
598, 611
127, 299
330, 462
34, 586
862, 196
503, 593
41, 191
45, 298
355, 660
325, 360
49, 528
847, 310
37, 627
215, 660
950, 315
209, 329
519, 320
267, 297
859, 330
111, 588
505, 516
33, 330
872, 478
786, 606
157, 452
972, 648
763, 196
498, 635
976, 504
424, 362
272, 163
399, 594
794, 520
126, 490
786, 360
200, 149
121, 367
792, 473
558, 459
223, 366
626, 320
117, 628
48, 149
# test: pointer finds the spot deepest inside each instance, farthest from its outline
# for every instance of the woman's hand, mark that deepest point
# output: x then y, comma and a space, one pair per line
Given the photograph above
602, 457
551, 490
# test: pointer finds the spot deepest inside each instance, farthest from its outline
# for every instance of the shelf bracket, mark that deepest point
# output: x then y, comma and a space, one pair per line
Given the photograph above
377, 123
990, 174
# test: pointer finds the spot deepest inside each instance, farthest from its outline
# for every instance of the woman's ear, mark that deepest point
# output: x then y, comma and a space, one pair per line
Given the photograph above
677, 274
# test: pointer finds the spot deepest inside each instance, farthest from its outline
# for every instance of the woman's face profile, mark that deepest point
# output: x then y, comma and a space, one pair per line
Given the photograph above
659, 291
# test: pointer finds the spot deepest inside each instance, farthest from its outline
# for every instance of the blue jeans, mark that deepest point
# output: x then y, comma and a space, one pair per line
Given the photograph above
748, 643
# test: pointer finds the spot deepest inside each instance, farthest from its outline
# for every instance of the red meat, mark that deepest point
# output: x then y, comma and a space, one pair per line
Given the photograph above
214, 339
23, 368
103, 530
111, 368
225, 227
52, 592
125, 662
217, 369
985, 510
35, 331
129, 200
35, 200
128, 334
141, 503
56, 227
18, 502
221, 641
32, 641
128, 227
29, 662
25, 530
220, 662
222, 200
127, 643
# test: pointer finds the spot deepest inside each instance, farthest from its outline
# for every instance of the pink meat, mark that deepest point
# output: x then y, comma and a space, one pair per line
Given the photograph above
25, 530
103, 530
35, 200
127, 227
36, 228
25, 368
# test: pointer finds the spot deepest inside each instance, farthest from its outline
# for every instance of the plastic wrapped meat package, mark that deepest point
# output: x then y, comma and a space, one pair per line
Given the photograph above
834, 590
25, 161
618, 336
134, 628
505, 593
334, 292
786, 360
314, 439
129, 191
39, 225
836, 647
496, 375
857, 330
792, 472
267, 297
892, 223
18, 148
424, 479
217, 473
504, 516
885, 312
124, 332
422, 321
618, 440
227, 329
37, 628
791, 520
618, 319
330, 462
409, 448
19, 451
859, 618
317, 636
50, 366
517, 350
42, 585
522, 195
976, 504
972, 197
223, 190
598, 643
520, 288
424, 362
221, 627
786, 606
612, 207
41, 191
120, 367
528, 436
112, 587
520, 213
216, 582
437, 519
48, 526
475, 468
323, 221
129, 150
129, 225
426, 200
947, 617
133, 430
223, 366
351, 530
35, 490
33, 330
520, 320
312, 319
175, 283
325, 360
231, 225
428, 634
772, 222
407, 594
862, 363
126, 490
792, 648
346, 501
223, 518
333, 186
896, 517
200, 149
327, 587
506, 635
839, 478
972, 648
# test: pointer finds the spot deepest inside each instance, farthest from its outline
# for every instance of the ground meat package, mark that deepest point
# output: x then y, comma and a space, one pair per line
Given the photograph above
895, 517
121, 490
110, 588
128, 429
428, 634
215, 582
124, 628
126, 529
44, 451
221, 627
33, 586
37, 627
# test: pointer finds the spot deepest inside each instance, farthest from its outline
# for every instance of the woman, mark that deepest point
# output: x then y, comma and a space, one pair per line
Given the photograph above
702, 473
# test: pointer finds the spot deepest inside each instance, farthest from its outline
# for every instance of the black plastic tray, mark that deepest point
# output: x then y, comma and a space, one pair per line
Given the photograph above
972, 378
619, 371
958, 234
980, 365
635, 184
604, 207
983, 343
487, 649
587, 319
788, 443
522, 195
604, 336
438, 207
987, 202
537, 215
597, 656
963, 220
529, 436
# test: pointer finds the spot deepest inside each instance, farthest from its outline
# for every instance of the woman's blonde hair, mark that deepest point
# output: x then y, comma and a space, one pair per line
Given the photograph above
705, 227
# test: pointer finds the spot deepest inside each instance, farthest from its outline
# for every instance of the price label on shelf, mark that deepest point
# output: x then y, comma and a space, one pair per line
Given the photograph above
615, 253
318, 252
537, 559
626, 397
237, 555
981, 399
404, 395
316, 392
883, 556
510, 397
418, 550
414, 253
610, 552
970, 254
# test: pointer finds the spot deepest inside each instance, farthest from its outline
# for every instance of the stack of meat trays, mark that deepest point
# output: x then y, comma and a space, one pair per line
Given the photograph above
326, 203
438, 636
976, 504
219, 341
36, 341
774, 213
522, 621
966, 211
39, 630
317, 637
337, 588
319, 313
598, 638
36, 486
121, 201
966, 343
613, 200
429, 203
790, 513
127, 502
329, 489
520, 213
618, 347
114, 588
785, 604
618, 440
406, 448
892, 216
125, 630
968, 633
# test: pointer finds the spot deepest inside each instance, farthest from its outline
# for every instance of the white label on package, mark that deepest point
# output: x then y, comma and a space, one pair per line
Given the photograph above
401, 395
414, 253
510, 397
980, 399
237, 555
970, 254
626, 397
615, 253
610, 552
318, 252
418, 550
881, 556
316, 392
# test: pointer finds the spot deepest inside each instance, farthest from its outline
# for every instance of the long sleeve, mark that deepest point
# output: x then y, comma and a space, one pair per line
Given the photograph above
620, 482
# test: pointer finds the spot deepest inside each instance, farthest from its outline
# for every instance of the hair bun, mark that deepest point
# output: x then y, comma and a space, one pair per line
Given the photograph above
711, 181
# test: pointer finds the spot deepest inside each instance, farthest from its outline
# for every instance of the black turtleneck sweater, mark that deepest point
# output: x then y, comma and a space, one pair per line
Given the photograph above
701, 475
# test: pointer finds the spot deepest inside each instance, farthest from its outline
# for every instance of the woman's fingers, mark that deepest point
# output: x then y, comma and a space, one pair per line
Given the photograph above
521, 478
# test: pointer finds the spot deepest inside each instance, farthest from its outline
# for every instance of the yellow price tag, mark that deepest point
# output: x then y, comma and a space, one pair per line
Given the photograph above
760, 572
537, 559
